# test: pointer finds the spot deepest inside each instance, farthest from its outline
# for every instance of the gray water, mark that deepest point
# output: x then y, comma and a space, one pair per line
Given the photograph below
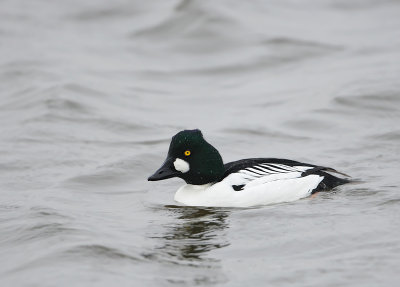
92, 91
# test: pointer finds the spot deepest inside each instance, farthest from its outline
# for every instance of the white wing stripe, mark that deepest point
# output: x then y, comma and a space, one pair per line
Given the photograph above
248, 173
268, 168
287, 167
257, 171
278, 169
261, 173
264, 169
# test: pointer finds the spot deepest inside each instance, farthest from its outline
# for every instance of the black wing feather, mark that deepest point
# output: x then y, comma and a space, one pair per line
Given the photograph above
329, 181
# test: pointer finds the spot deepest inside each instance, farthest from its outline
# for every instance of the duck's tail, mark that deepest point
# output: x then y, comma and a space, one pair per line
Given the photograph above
330, 181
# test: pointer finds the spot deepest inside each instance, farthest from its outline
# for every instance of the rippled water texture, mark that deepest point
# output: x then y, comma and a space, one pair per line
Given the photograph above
92, 91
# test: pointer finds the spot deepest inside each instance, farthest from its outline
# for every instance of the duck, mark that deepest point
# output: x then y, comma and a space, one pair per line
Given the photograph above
242, 183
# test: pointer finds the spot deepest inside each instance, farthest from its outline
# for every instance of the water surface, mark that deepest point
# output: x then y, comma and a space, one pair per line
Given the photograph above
92, 91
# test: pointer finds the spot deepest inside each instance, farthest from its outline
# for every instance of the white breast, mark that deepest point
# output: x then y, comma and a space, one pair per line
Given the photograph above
262, 191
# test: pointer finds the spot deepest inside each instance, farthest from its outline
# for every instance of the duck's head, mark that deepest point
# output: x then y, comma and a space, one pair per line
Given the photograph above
191, 158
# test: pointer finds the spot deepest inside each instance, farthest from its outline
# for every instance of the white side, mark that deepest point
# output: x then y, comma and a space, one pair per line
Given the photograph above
259, 192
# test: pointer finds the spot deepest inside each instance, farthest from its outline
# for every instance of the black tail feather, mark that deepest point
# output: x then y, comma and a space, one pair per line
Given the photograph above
329, 182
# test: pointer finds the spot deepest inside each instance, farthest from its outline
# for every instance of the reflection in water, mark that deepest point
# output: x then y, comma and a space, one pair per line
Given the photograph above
194, 232
197, 231
186, 241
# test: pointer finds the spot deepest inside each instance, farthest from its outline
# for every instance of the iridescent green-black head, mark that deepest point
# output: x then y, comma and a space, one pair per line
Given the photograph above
191, 158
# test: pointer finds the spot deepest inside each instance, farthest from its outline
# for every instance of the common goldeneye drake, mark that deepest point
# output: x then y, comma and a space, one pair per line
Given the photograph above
242, 183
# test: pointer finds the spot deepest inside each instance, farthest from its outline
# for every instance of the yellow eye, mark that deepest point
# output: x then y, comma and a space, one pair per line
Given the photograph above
187, 153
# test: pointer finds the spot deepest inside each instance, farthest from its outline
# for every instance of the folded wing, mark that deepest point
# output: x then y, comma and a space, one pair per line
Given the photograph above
253, 172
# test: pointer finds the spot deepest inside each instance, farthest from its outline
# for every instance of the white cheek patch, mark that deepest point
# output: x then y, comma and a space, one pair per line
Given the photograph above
181, 165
